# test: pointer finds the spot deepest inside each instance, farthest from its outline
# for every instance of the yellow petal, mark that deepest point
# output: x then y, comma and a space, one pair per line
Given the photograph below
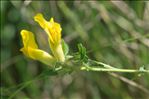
52, 20
58, 52
41, 56
28, 39
53, 30
39, 18
31, 50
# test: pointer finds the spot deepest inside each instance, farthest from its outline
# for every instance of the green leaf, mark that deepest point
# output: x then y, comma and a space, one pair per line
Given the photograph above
65, 47
82, 53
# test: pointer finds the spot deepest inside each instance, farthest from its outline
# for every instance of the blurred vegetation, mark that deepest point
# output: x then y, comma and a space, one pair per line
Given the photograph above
114, 32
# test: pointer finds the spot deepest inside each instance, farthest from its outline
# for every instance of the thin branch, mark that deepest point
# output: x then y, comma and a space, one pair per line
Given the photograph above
130, 82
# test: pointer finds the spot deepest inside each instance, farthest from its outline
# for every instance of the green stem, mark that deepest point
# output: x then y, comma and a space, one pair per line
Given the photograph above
103, 64
88, 68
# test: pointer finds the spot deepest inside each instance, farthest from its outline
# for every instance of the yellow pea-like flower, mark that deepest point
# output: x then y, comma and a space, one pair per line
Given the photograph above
53, 30
31, 50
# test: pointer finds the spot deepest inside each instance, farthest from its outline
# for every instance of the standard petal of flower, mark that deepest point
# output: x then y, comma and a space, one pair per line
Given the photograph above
40, 19
53, 30
31, 50
28, 39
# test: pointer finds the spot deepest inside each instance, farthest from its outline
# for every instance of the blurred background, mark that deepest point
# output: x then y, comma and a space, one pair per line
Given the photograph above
114, 32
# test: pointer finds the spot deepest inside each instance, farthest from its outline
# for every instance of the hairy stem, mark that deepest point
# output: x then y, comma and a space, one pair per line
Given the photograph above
89, 68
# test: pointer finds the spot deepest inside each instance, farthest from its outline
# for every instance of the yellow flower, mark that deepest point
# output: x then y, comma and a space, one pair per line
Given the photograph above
31, 50
53, 30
